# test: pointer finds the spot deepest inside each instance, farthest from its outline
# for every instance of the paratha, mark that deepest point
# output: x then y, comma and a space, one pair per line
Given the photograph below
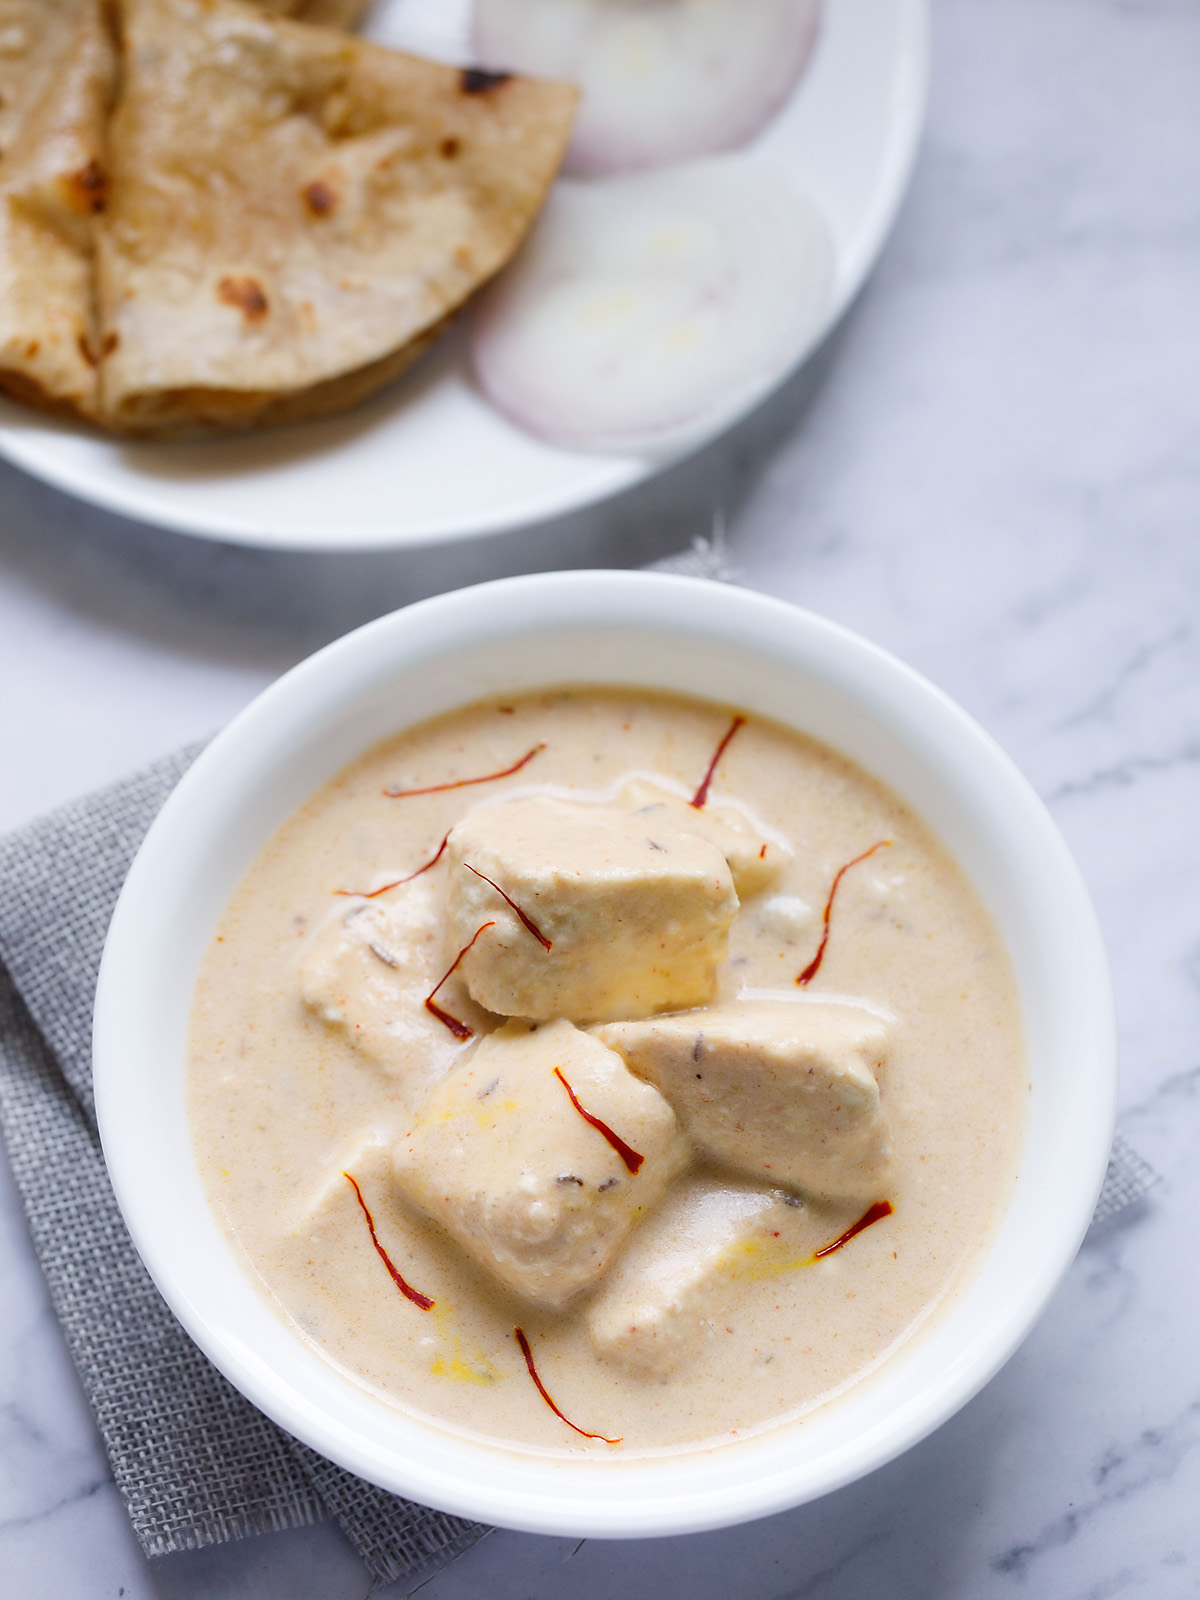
34, 37
57, 78
294, 213
329, 13
52, 185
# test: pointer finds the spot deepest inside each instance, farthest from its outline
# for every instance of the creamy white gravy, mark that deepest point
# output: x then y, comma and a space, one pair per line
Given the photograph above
282, 1101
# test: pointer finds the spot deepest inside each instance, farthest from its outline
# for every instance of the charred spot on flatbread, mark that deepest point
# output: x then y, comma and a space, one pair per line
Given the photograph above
475, 80
246, 295
86, 190
320, 198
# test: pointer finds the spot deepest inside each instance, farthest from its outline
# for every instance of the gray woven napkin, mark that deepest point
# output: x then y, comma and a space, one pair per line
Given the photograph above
1127, 1180
195, 1462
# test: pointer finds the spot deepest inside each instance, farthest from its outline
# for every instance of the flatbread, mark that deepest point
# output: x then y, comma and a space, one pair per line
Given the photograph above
57, 80
294, 213
52, 186
328, 13
34, 37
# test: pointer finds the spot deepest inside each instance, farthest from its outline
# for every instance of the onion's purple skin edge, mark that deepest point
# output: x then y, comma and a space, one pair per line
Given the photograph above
608, 150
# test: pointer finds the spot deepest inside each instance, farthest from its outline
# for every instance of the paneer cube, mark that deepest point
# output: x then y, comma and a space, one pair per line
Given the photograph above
369, 1159
367, 971
755, 856
506, 1161
636, 919
783, 1091
656, 1310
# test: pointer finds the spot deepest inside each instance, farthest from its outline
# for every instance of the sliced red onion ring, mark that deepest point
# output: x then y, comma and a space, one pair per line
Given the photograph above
646, 311
437, 28
662, 80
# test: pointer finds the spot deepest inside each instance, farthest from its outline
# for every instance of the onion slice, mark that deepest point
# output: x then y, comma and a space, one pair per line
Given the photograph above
646, 311
663, 80
440, 29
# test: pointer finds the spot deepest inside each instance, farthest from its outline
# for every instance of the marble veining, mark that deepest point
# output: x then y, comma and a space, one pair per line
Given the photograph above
991, 469
1123, 1471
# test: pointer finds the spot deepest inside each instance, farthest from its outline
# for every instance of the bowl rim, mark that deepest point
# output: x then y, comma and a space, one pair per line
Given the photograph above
552, 1494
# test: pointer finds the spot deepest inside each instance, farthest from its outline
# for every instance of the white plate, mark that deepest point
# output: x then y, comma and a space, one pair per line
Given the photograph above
429, 460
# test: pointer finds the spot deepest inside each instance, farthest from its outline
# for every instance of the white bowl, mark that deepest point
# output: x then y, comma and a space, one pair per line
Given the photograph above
667, 633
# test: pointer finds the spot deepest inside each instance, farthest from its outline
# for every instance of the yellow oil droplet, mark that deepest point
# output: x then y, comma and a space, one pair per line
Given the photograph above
462, 1370
457, 1360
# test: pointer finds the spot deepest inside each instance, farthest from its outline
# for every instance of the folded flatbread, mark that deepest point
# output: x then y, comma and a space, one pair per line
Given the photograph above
34, 36
329, 13
57, 79
294, 213
52, 185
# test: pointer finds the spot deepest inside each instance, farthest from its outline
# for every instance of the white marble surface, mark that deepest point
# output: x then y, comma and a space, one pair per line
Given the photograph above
993, 472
